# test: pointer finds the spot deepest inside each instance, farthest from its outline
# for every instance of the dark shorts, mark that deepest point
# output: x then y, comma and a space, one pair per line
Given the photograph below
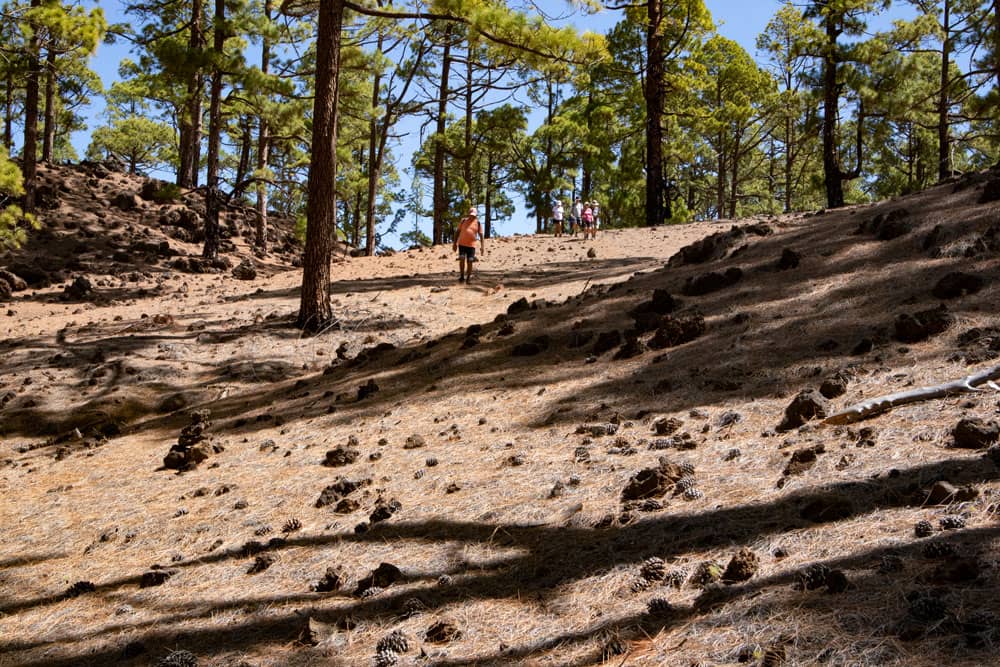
467, 251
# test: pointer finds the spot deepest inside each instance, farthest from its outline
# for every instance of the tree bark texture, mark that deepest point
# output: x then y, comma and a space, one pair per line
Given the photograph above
263, 145
189, 148
30, 152
440, 200
315, 311
944, 96
656, 202
49, 119
213, 203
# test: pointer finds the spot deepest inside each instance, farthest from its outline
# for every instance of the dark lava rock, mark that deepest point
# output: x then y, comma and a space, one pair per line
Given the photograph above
667, 426
991, 191
606, 340
369, 388
261, 563
442, 632
717, 245
712, 281
803, 459
333, 580
742, 566
155, 578
834, 386
864, 346
79, 588
340, 489
385, 575
519, 306
916, 327
245, 270
957, 284
648, 313
824, 510
944, 492
888, 226
384, 510
789, 260
975, 433
629, 349
531, 348
191, 448
652, 482
808, 404
674, 331
80, 288
341, 456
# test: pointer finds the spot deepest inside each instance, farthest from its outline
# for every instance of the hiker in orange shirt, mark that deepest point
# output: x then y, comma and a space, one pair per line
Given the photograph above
465, 244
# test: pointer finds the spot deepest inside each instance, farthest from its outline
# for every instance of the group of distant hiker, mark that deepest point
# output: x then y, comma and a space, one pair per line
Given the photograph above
583, 217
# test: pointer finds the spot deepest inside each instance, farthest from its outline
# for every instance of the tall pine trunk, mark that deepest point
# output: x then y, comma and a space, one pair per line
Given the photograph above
49, 119
213, 199
944, 152
373, 166
657, 204
8, 118
263, 144
832, 174
30, 152
189, 139
440, 201
315, 311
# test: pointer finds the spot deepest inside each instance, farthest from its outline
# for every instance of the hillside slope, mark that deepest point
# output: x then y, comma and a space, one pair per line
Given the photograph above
598, 472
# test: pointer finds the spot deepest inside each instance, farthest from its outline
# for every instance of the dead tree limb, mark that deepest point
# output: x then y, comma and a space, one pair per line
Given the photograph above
874, 406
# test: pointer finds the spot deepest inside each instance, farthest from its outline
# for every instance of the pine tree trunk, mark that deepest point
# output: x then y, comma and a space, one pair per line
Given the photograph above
467, 150
213, 202
8, 119
373, 170
487, 200
832, 174
243, 166
315, 311
189, 147
789, 162
263, 145
944, 152
656, 201
30, 152
440, 201
49, 119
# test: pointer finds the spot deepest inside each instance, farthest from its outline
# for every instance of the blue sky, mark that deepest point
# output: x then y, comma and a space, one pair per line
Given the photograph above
740, 20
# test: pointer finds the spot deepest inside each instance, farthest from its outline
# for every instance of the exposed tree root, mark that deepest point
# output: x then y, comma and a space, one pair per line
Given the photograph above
874, 406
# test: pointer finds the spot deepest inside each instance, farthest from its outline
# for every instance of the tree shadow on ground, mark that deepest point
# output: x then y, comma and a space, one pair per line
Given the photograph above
551, 556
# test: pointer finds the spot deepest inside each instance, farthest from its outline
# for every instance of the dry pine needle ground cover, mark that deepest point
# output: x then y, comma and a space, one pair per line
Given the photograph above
598, 473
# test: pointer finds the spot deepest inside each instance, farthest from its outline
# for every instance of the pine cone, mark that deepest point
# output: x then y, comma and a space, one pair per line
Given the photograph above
394, 642
659, 607
614, 646
686, 468
385, 659
813, 577
675, 578
263, 530
371, 592
939, 550
178, 659
653, 569
923, 528
685, 483
693, 494
291, 525
928, 608
952, 522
